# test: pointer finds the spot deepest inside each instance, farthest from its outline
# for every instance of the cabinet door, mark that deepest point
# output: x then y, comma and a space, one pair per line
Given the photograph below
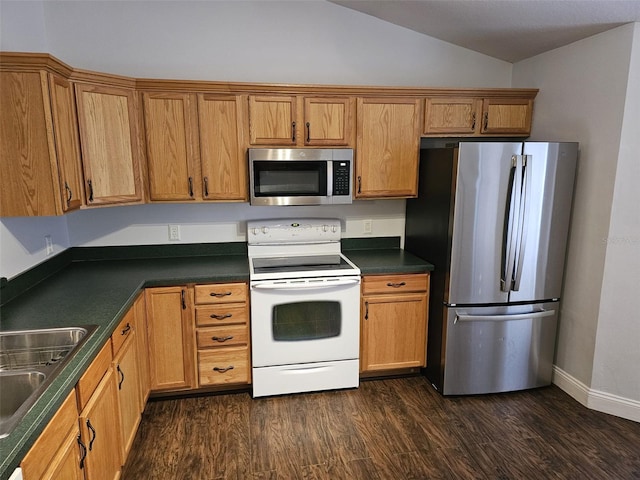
109, 143
223, 162
171, 142
170, 333
272, 120
126, 368
27, 184
327, 121
387, 148
66, 463
100, 431
67, 143
451, 115
394, 332
506, 116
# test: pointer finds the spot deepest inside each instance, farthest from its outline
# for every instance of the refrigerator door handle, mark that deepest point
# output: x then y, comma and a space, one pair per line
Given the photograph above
522, 221
503, 318
511, 220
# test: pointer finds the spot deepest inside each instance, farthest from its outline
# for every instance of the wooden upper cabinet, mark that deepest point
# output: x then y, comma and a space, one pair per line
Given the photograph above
451, 115
328, 121
222, 147
38, 145
388, 147
272, 120
509, 116
171, 143
109, 141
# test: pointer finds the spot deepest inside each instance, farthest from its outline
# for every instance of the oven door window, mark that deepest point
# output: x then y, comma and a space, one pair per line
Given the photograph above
290, 178
306, 321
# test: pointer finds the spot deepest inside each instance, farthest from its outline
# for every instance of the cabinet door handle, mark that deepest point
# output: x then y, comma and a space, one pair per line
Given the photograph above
121, 377
93, 432
224, 294
473, 121
206, 186
184, 301
366, 310
221, 317
126, 329
191, 186
486, 120
293, 132
83, 451
359, 184
69, 193
222, 339
90, 190
223, 370
396, 285
308, 132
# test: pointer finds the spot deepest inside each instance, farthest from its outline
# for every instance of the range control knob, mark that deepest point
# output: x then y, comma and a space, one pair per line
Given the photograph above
325, 228
334, 228
265, 230
255, 230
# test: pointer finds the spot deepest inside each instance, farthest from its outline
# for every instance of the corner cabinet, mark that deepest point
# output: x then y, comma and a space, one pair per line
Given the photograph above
393, 322
388, 146
170, 335
107, 121
39, 145
469, 116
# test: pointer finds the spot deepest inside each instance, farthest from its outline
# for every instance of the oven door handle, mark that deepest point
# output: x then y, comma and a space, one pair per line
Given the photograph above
303, 285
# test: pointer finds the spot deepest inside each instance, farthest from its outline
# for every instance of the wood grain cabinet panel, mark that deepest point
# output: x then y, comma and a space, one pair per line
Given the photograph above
328, 121
39, 147
170, 335
272, 120
224, 366
388, 146
394, 322
109, 144
507, 116
451, 115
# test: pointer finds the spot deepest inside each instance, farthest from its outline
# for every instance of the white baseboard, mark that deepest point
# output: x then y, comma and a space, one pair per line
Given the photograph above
596, 399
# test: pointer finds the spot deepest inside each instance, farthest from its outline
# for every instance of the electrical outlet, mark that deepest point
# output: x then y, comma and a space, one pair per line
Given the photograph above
366, 226
48, 244
174, 233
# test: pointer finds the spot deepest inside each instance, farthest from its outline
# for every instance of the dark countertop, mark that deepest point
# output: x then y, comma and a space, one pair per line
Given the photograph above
100, 291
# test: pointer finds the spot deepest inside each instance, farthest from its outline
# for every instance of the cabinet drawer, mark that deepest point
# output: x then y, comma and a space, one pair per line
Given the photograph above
221, 315
221, 293
395, 283
92, 376
232, 364
223, 336
122, 331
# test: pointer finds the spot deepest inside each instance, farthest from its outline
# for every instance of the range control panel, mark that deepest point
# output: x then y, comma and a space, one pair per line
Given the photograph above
293, 231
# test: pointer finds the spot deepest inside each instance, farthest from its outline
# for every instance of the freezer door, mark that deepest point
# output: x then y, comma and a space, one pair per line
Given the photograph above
499, 349
548, 191
482, 190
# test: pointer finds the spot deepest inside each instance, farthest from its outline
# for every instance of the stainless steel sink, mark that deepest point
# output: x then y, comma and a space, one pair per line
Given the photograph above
29, 361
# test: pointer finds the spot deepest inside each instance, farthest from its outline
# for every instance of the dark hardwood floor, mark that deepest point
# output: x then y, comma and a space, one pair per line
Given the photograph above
387, 429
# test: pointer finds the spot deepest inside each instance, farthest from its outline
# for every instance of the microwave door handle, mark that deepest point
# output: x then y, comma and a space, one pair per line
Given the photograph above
304, 285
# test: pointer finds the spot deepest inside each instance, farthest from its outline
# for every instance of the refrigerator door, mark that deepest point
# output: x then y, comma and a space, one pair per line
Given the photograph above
547, 194
499, 349
485, 177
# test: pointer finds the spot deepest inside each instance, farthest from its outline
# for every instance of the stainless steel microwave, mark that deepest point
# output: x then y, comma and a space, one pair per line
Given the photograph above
300, 176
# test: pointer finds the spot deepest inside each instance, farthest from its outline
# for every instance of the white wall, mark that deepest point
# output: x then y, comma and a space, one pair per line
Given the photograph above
257, 41
588, 93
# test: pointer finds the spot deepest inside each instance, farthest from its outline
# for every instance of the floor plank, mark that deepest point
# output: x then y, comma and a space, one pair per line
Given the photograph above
398, 428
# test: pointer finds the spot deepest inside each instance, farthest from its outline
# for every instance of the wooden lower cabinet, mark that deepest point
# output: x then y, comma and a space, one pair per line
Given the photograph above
394, 322
140, 326
170, 335
57, 453
100, 431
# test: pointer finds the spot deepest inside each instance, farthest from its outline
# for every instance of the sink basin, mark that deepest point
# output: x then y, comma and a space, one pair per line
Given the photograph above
29, 361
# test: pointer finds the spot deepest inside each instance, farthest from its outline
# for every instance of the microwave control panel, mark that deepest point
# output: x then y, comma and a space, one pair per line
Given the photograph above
341, 179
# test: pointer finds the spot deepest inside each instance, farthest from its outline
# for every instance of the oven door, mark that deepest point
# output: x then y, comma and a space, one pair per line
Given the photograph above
305, 320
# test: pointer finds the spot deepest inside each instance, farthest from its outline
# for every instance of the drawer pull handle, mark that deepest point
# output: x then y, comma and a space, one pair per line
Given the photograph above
396, 285
126, 329
222, 370
366, 310
221, 317
224, 294
222, 339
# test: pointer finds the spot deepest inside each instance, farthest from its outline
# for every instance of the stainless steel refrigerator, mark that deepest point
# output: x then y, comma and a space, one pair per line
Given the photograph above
493, 218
